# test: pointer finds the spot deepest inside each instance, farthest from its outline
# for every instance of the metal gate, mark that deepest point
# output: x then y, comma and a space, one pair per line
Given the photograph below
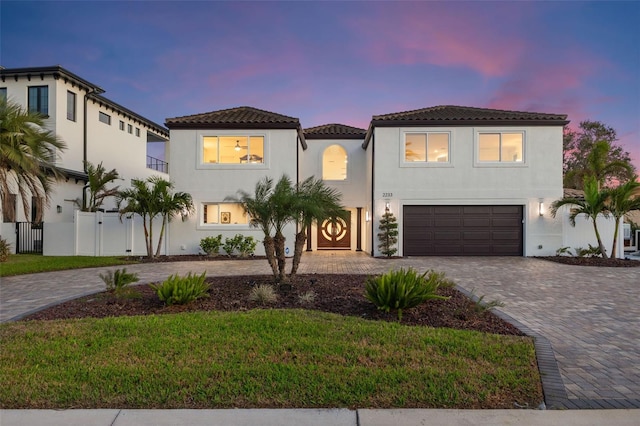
29, 237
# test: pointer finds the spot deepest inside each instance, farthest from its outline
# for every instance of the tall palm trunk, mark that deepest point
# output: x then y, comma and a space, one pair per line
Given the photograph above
615, 238
600, 245
147, 236
269, 249
279, 241
164, 221
301, 238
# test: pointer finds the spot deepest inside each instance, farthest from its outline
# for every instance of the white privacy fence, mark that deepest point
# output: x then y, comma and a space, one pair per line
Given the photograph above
101, 234
583, 234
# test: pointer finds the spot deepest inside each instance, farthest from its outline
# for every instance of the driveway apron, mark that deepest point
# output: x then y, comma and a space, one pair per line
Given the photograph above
590, 315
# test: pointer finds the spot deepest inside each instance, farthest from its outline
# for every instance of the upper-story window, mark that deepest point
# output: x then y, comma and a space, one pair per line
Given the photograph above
334, 163
129, 128
3, 94
137, 131
39, 99
105, 118
121, 125
429, 147
233, 149
71, 106
501, 147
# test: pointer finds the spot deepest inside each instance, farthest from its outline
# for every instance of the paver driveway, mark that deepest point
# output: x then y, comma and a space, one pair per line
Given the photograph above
590, 315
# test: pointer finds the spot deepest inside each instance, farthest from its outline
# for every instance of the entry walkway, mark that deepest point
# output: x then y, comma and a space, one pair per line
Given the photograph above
591, 316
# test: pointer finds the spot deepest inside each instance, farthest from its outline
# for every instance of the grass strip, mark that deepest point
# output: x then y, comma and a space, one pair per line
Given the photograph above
260, 358
19, 264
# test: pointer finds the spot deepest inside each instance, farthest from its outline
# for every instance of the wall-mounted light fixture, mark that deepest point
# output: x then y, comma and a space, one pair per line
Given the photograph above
540, 208
367, 216
59, 209
387, 206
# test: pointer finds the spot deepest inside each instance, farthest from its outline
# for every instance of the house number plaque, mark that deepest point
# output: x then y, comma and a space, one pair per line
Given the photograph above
387, 194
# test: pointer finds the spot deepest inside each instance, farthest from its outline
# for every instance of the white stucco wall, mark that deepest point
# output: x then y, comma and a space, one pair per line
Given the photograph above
463, 181
108, 144
213, 183
582, 234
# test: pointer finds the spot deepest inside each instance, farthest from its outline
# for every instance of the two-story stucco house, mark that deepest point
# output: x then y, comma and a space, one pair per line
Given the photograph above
460, 180
94, 129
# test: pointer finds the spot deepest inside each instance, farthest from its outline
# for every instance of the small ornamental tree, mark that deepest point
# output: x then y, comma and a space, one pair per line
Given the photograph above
388, 235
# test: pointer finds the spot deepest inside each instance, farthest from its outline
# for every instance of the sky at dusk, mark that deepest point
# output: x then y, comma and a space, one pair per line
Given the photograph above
342, 62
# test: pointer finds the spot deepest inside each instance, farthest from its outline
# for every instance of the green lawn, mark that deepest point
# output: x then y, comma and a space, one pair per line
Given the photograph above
260, 358
19, 264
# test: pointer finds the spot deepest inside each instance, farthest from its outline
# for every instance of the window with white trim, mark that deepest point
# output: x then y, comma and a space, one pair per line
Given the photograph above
3, 94
223, 214
334, 163
500, 147
233, 149
121, 125
428, 147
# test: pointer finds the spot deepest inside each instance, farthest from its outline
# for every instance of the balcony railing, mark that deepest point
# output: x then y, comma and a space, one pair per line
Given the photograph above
157, 164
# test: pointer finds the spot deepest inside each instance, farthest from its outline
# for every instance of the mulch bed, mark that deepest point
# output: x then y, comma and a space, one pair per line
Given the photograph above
593, 261
340, 294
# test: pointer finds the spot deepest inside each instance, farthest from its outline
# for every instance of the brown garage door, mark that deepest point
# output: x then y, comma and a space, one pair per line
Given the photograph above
462, 231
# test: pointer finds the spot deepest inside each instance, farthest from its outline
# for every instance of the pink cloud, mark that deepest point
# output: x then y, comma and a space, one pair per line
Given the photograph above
436, 34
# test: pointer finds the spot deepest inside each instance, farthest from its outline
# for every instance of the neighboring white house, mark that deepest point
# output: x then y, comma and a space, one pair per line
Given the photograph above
94, 128
460, 180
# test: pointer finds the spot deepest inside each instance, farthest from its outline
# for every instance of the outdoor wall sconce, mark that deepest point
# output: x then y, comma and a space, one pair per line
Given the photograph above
367, 216
386, 207
540, 208
59, 209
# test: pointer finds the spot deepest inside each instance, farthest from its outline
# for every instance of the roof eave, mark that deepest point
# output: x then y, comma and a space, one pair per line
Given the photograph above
443, 123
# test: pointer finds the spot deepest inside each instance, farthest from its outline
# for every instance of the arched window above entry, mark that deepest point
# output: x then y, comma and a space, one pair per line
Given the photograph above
334, 163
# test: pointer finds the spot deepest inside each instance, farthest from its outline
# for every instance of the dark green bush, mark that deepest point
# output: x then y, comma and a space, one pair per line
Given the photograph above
211, 245
403, 289
177, 290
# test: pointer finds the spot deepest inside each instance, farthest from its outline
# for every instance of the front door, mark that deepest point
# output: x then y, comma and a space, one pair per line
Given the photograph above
334, 235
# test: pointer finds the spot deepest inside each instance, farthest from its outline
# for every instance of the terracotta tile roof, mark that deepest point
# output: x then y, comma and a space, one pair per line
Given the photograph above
451, 114
243, 117
334, 131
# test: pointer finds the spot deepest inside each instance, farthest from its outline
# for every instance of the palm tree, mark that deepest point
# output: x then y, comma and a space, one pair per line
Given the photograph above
141, 200
258, 207
593, 204
99, 178
28, 155
283, 211
315, 202
620, 201
170, 204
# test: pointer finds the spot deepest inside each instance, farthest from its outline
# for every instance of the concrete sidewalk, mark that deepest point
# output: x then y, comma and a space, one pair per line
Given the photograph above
311, 417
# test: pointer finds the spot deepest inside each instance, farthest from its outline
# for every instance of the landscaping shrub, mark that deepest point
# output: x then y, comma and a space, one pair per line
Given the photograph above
247, 246
592, 251
117, 281
403, 289
177, 290
263, 294
307, 297
5, 250
211, 245
481, 306
232, 244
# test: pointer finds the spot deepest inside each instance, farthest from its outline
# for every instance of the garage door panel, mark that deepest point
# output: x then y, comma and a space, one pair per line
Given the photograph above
480, 222
462, 230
